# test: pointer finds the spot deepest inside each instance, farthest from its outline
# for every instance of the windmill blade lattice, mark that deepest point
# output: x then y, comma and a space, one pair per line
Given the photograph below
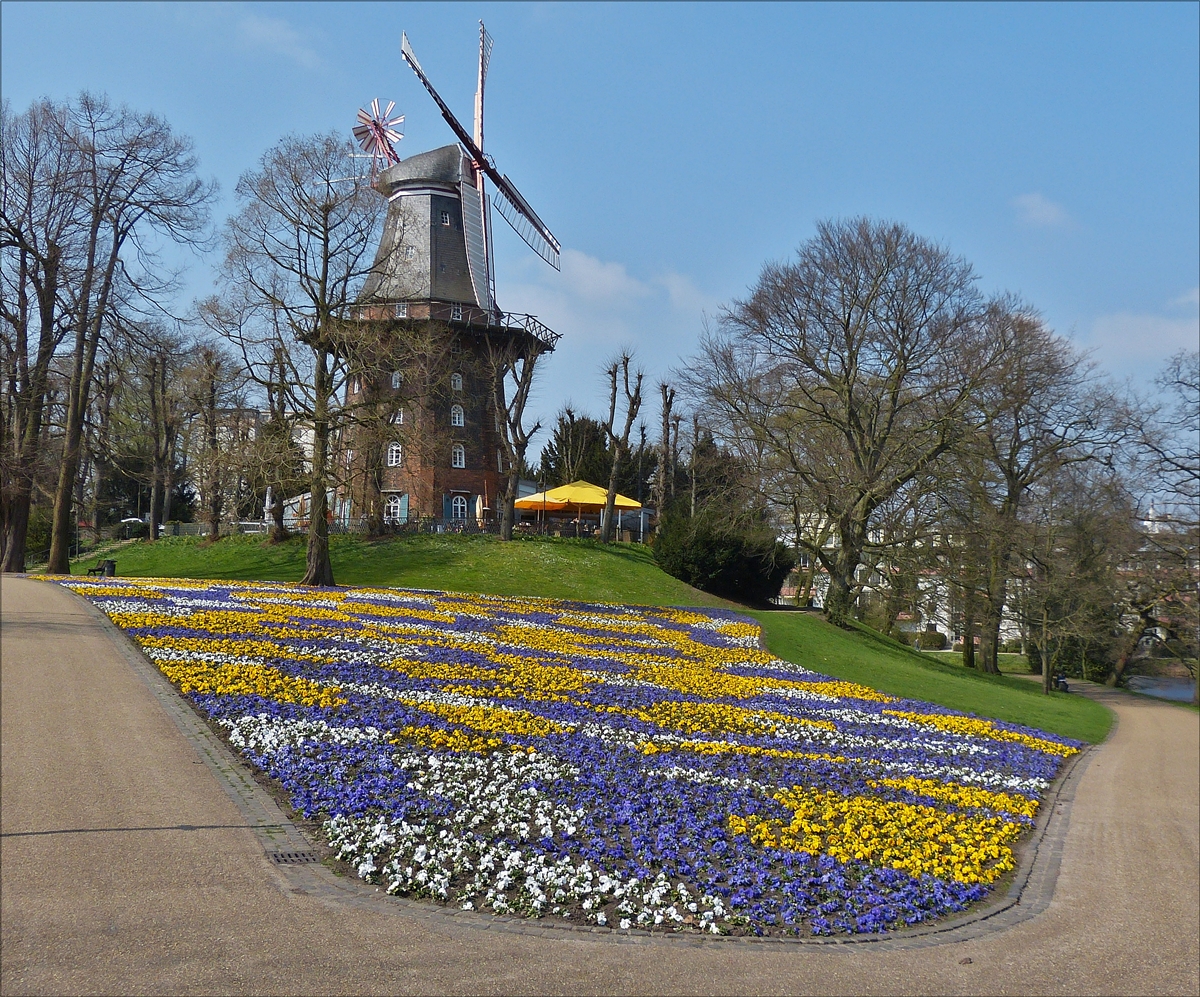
376, 132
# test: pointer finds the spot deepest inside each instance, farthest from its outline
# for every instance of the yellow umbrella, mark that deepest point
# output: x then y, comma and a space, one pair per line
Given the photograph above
578, 495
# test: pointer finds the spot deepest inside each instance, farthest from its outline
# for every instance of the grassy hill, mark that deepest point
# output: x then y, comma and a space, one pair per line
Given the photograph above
586, 570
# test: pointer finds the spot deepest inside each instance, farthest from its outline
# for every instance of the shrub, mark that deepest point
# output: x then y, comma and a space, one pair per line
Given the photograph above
726, 556
932, 640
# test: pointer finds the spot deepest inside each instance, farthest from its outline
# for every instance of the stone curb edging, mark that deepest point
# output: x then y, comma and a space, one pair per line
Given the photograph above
294, 859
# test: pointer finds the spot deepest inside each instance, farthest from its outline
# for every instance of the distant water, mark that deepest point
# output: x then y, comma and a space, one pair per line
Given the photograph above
1163, 688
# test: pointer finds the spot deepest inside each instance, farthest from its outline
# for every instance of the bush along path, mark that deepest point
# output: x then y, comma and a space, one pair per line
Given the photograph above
613, 765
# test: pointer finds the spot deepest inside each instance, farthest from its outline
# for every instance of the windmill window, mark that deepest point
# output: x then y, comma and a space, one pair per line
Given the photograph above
395, 455
391, 508
500, 461
356, 387
456, 313
458, 507
398, 417
456, 416
397, 377
445, 217
496, 416
410, 252
402, 309
458, 456
456, 382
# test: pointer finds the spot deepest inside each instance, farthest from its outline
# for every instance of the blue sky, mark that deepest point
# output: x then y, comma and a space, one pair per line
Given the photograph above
673, 149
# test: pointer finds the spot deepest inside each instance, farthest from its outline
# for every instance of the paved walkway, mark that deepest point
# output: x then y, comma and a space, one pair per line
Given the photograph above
125, 867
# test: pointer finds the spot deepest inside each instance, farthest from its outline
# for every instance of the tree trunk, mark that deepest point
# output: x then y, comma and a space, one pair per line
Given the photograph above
989, 643
839, 600
318, 569
64, 493
16, 526
279, 532
1047, 678
968, 651
507, 509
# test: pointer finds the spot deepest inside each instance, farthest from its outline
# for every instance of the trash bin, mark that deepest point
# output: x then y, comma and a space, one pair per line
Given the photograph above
110, 569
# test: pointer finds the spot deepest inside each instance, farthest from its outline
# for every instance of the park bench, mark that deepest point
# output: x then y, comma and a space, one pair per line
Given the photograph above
106, 567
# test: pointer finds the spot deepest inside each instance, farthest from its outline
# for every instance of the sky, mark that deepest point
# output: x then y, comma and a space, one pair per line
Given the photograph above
674, 149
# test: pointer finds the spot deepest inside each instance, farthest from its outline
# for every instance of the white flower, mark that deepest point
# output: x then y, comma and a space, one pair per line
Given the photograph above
625, 924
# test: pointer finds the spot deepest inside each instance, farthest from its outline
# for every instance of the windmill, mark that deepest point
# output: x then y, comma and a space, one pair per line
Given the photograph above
512, 206
376, 132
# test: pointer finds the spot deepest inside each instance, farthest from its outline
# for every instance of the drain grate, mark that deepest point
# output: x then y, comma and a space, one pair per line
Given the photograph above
293, 858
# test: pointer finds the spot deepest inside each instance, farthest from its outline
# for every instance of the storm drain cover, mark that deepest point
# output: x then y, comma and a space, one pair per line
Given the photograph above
293, 858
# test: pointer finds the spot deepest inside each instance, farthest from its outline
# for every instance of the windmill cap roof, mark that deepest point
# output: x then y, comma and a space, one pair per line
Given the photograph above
444, 165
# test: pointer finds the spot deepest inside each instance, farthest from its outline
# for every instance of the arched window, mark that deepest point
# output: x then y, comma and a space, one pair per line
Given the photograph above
458, 507
391, 508
395, 455
456, 416
397, 377
458, 456
398, 417
456, 382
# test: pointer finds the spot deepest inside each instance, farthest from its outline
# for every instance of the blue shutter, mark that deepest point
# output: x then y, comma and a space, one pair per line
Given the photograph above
447, 512
403, 509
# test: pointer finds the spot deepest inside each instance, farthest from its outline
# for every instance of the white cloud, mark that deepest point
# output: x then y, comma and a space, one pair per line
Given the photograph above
1191, 297
1132, 344
593, 280
685, 296
1038, 210
275, 35
601, 309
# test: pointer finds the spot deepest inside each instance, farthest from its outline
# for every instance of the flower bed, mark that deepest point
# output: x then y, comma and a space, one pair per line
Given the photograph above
617, 765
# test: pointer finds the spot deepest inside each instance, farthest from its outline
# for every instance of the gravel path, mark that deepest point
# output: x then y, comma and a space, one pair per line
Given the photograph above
127, 867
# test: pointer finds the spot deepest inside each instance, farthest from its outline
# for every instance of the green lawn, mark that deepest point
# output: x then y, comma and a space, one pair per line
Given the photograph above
586, 570
867, 657
551, 567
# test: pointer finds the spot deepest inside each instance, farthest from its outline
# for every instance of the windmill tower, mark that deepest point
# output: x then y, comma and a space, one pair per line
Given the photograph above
433, 282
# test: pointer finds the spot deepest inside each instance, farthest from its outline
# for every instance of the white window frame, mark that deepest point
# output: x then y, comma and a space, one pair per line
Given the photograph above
397, 379
457, 416
395, 454
458, 507
410, 252
458, 455
445, 217
391, 507
456, 381
398, 417
456, 312
500, 461
401, 309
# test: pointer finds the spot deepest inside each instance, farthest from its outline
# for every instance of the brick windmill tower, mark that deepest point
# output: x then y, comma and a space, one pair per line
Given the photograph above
430, 304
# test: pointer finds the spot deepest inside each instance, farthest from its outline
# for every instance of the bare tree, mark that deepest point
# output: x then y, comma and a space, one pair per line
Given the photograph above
39, 223
136, 180
297, 253
665, 468
512, 367
618, 379
851, 369
1038, 408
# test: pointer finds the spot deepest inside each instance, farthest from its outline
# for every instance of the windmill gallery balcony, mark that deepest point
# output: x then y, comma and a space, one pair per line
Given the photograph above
463, 316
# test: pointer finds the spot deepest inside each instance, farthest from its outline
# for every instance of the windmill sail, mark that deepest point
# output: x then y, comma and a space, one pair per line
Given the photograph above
515, 210
512, 206
473, 228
